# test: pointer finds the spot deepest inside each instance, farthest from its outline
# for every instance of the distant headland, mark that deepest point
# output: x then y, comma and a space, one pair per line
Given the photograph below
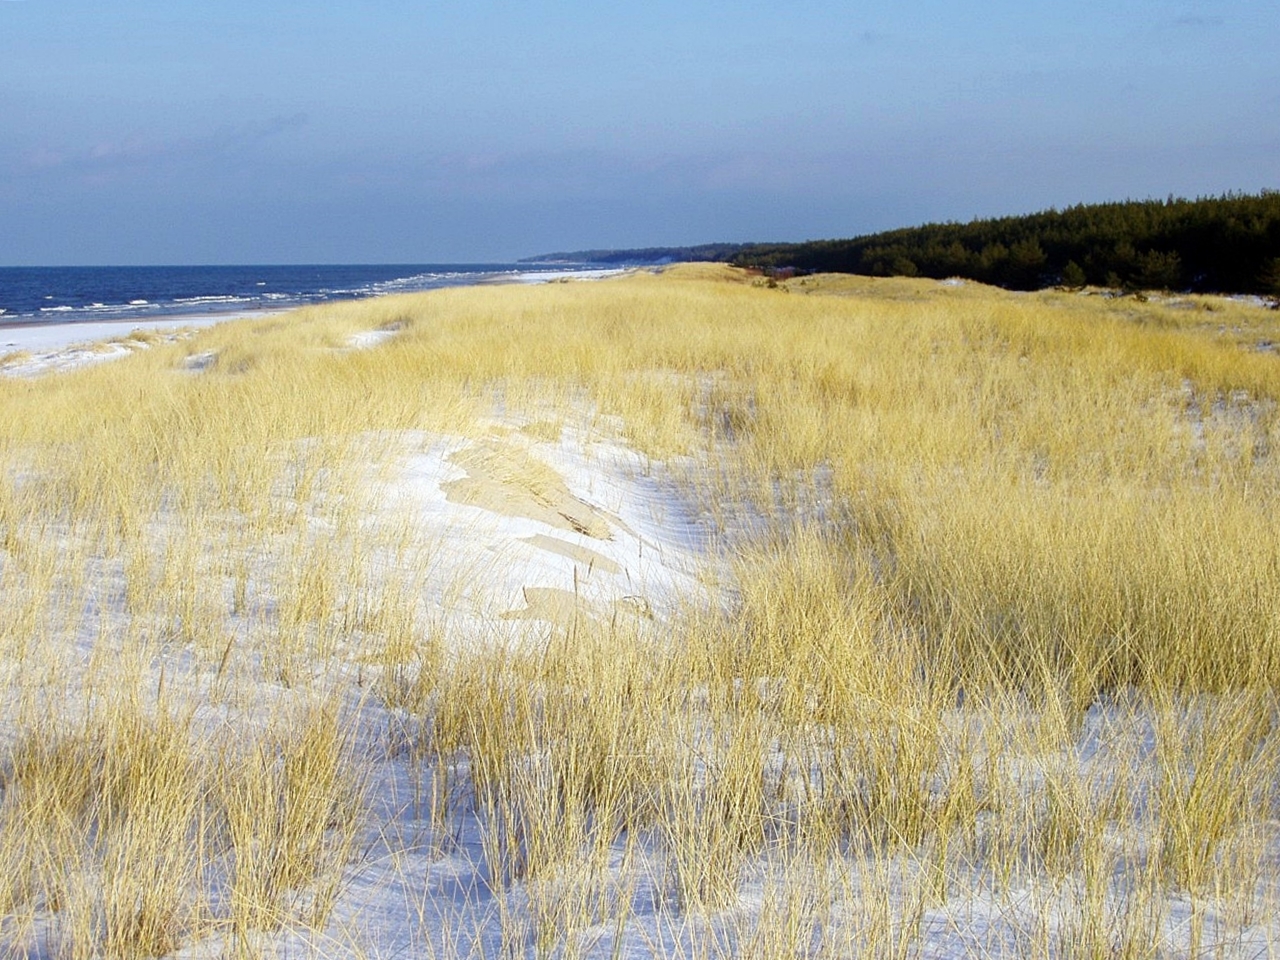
1224, 244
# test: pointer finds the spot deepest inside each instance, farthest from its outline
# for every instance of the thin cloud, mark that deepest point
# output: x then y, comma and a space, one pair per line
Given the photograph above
106, 159
1197, 21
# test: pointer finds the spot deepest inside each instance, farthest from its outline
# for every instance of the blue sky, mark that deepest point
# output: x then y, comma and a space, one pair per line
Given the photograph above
154, 131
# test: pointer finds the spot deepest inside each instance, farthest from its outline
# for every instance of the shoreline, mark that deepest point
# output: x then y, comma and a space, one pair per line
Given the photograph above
51, 335
45, 335
32, 347
215, 295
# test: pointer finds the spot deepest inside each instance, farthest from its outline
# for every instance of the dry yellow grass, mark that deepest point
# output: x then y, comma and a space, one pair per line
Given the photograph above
1000, 627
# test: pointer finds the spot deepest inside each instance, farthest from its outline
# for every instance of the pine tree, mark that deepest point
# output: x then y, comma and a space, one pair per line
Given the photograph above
1026, 264
1269, 278
1157, 270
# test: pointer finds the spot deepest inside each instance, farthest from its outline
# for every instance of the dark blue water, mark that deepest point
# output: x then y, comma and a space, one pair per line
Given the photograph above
64, 294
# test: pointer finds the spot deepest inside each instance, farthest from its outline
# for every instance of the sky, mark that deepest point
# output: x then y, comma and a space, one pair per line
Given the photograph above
390, 131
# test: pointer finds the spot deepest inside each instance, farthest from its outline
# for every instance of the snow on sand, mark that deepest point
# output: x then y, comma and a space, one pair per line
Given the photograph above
27, 350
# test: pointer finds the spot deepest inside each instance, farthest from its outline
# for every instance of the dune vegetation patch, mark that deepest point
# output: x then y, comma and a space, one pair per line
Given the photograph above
668, 615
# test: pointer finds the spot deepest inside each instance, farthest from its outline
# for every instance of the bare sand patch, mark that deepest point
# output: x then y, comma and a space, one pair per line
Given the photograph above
511, 482
579, 554
551, 604
565, 608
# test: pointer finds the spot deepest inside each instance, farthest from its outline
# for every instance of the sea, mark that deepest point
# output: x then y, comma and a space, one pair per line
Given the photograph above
71, 294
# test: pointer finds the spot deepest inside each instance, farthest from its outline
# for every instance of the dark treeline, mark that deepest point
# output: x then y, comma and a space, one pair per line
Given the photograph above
647, 255
1218, 244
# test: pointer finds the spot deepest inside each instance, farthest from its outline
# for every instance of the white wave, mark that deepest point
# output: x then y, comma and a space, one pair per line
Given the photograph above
548, 276
137, 303
213, 299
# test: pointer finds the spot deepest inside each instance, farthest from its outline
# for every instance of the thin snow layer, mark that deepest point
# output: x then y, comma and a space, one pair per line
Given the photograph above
38, 348
367, 339
614, 539
423, 889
